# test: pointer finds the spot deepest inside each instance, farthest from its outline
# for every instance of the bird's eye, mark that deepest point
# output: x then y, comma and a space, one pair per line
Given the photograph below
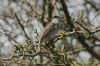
56, 17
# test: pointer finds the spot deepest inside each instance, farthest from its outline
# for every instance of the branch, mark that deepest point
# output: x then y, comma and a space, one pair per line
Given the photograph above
43, 14
84, 27
68, 18
22, 27
90, 33
50, 10
64, 60
92, 4
9, 37
81, 39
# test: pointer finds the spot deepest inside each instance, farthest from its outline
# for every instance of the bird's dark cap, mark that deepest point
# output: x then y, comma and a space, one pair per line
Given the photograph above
56, 17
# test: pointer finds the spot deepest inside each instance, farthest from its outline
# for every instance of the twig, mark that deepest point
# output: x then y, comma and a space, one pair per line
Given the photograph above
92, 4
68, 18
22, 27
83, 27
67, 62
82, 39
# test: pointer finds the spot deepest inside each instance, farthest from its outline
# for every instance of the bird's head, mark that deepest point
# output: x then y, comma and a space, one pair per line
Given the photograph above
56, 19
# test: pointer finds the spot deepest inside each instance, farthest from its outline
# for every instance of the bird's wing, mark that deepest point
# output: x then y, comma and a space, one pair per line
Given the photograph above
46, 30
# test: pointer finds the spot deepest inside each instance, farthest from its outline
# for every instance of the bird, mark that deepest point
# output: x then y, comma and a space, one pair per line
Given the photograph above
50, 31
